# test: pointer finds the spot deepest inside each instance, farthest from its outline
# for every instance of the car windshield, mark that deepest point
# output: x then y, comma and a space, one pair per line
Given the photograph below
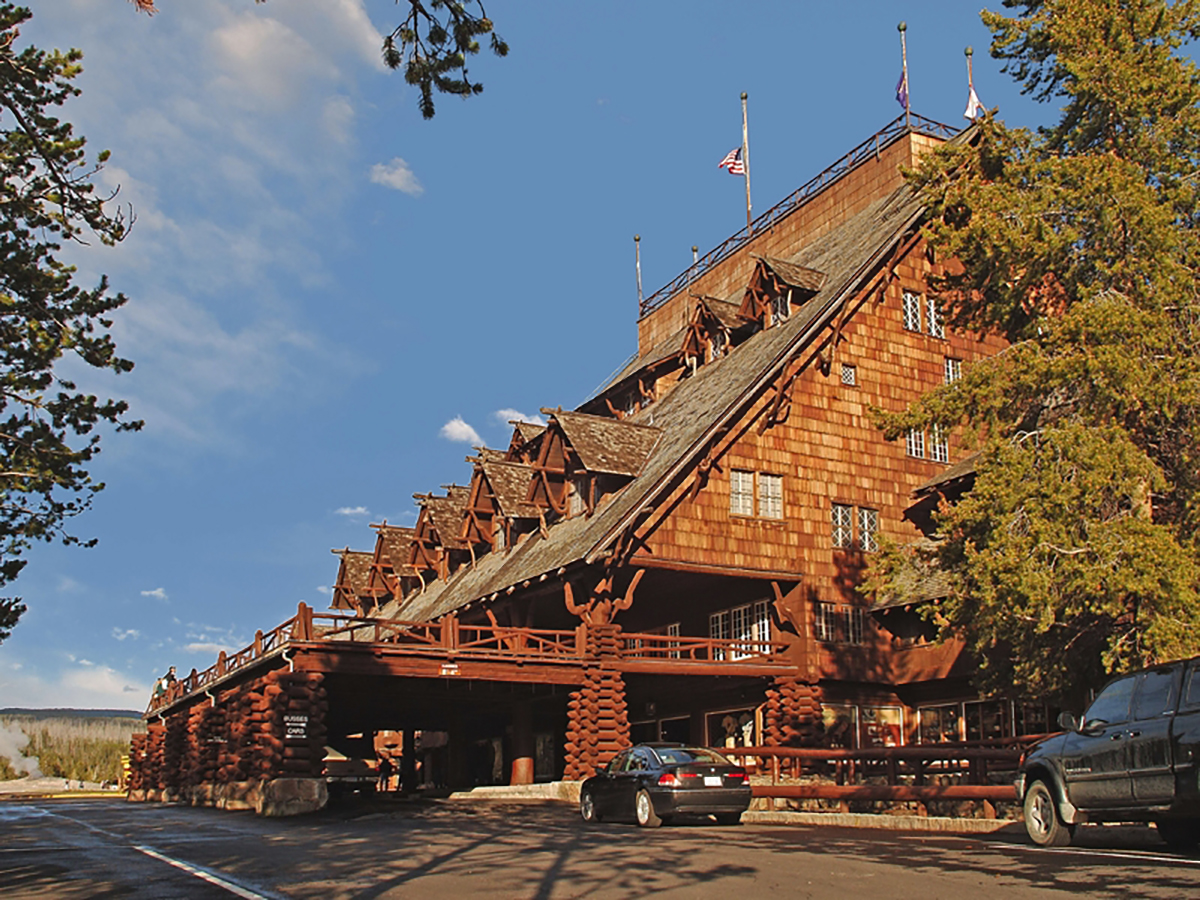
682, 756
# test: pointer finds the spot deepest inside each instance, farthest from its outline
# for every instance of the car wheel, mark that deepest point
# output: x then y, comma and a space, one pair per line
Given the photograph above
729, 818
643, 806
1179, 834
587, 807
1042, 823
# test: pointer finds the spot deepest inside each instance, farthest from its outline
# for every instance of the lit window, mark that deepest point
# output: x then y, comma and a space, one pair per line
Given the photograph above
914, 443
939, 444
912, 311
849, 375
868, 529
770, 496
843, 525
718, 625
854, 624
741, 493
933, 319
953, 370
749, 624
826, 622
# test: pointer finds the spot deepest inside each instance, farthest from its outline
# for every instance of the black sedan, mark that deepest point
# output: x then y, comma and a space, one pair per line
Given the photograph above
653, 783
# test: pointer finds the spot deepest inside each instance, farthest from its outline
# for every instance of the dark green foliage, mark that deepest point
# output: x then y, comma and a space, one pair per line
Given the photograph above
47, 197
1076, 553
433, 43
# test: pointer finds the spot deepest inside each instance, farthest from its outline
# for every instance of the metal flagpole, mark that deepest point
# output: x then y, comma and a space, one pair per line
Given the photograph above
746, 164
903, 27
969, 52
637, 256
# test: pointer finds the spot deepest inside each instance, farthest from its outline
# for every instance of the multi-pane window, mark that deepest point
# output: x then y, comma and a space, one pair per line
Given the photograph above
843, 525
854, 620
912, 311
868, 529
953, 370
849, 375
914, 443
749, 624
826, 622
939, 444
770, 496
751, 492
933, 319
781, 307
717, 343
741, 492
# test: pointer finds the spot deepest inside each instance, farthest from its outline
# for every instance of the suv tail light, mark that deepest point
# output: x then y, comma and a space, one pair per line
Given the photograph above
668, 779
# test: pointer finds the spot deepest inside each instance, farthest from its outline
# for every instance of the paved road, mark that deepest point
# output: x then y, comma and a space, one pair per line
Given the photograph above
102, 848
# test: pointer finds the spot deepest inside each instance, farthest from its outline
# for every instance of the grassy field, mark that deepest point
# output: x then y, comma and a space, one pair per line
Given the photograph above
87, 749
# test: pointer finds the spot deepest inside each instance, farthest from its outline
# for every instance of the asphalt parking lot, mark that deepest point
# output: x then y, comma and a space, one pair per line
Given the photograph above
383, 848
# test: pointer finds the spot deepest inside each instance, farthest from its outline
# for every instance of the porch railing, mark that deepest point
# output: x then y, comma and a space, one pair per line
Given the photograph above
700, 649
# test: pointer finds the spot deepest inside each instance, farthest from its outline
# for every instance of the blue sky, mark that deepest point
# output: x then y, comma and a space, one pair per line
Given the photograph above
328, 294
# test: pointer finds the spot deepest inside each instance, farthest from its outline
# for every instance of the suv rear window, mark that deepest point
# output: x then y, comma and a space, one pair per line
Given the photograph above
681, 756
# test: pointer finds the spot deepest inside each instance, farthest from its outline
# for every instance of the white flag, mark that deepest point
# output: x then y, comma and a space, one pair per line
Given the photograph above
974, 109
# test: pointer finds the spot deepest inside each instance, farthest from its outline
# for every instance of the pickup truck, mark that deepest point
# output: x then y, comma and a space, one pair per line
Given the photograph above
1131, 757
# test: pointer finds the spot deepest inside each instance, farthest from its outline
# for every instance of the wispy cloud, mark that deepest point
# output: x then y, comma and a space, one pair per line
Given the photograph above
458, 430
397, 174
122, 633
504, 416
207, 647
157, 594
352, 511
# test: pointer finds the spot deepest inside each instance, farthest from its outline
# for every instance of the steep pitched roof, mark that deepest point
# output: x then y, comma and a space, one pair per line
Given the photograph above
794, 275
691, 414
352, 575
964, 468
663, 350
528, 430
608, 446
393, 544
510, 481
445, 514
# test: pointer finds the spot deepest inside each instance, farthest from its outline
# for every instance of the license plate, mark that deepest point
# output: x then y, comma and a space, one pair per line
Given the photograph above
712, 780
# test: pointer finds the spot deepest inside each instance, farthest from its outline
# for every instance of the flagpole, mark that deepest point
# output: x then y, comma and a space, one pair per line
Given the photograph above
746, 164
969, 52
637, 256
903, 27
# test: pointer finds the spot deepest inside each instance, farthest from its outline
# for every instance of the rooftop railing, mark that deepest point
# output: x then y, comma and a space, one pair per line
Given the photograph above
868, 149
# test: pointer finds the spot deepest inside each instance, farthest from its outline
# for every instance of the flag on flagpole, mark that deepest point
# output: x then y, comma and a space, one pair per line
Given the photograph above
733, 162
902, 90
974, 107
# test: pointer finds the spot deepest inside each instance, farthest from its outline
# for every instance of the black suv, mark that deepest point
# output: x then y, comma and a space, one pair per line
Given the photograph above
1132, 757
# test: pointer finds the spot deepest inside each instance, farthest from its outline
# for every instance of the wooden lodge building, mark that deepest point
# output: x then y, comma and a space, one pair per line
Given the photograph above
676, 559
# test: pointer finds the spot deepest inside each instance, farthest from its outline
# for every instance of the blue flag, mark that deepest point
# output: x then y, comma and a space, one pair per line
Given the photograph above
902, 90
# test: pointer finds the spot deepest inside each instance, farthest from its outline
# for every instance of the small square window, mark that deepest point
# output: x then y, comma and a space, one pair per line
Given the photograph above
939, 444
843, 525
741, 492
868, 529
933, 319
849, 375
912, 311
914, 443
953, 370
770, 496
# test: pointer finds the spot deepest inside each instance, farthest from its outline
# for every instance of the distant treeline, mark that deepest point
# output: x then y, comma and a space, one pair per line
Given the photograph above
84, 749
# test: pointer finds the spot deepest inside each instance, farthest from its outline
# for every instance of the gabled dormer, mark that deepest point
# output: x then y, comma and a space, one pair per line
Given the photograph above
350, 588
712, 332
584, 457
386, 573
525, 441
776, 288
496, 514
436, 546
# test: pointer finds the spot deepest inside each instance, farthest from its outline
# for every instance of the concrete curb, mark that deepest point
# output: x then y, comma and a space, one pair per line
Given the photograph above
943, 824
551, 792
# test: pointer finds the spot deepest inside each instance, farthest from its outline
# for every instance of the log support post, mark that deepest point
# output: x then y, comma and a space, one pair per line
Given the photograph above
597, 716
793, 713
522, 744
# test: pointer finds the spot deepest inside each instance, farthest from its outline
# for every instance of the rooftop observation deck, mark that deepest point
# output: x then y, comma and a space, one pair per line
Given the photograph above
869, 149
329, 642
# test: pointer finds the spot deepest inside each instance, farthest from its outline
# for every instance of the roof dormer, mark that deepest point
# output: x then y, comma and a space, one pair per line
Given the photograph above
776, 287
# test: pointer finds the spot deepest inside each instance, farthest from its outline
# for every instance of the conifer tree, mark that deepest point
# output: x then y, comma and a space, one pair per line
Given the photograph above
1077, 552
47, 424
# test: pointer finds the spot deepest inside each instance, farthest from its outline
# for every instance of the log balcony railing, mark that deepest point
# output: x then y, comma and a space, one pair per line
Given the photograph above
451, 640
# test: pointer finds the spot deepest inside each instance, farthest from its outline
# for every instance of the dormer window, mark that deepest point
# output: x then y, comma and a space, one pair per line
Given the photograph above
781, 308
717, 344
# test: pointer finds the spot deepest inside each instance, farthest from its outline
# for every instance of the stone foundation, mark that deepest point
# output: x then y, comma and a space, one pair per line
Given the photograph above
271, 797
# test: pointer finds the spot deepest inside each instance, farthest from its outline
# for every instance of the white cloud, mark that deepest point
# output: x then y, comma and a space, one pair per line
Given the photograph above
122, 633
68, 585
352, 511
157, 594
207, 647
79, 686
323, 589
458, 430
504, 416
397, 174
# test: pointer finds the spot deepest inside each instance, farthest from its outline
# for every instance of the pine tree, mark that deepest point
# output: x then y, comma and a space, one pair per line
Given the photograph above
47, 197
1076, 553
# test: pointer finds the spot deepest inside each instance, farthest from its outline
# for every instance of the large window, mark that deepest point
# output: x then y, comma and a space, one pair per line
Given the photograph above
914, 443
755, 492
939, 444
840, 624
845, 520
933, 319
750, 624
843, 525
868, 529
912, 311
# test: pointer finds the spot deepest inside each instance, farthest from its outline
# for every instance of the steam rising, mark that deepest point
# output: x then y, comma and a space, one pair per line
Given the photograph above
12, 741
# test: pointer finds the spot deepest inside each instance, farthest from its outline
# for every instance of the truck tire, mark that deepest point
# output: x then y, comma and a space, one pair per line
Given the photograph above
1042, 823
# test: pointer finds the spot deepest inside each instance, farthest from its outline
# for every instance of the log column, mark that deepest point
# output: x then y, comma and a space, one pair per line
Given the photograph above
597, 716
523, 744
793, 713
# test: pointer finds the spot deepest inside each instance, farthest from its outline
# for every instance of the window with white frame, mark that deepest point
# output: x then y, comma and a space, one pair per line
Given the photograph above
933, 319
770, 496
854, 621
825, 623
781, 308
939, 444
953, 370
843, 525
868, 529
914, 443
717, 344
748, 624
849, 375
912, 311
741, 492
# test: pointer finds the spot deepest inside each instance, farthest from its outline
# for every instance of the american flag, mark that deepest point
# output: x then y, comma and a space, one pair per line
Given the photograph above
733, 162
